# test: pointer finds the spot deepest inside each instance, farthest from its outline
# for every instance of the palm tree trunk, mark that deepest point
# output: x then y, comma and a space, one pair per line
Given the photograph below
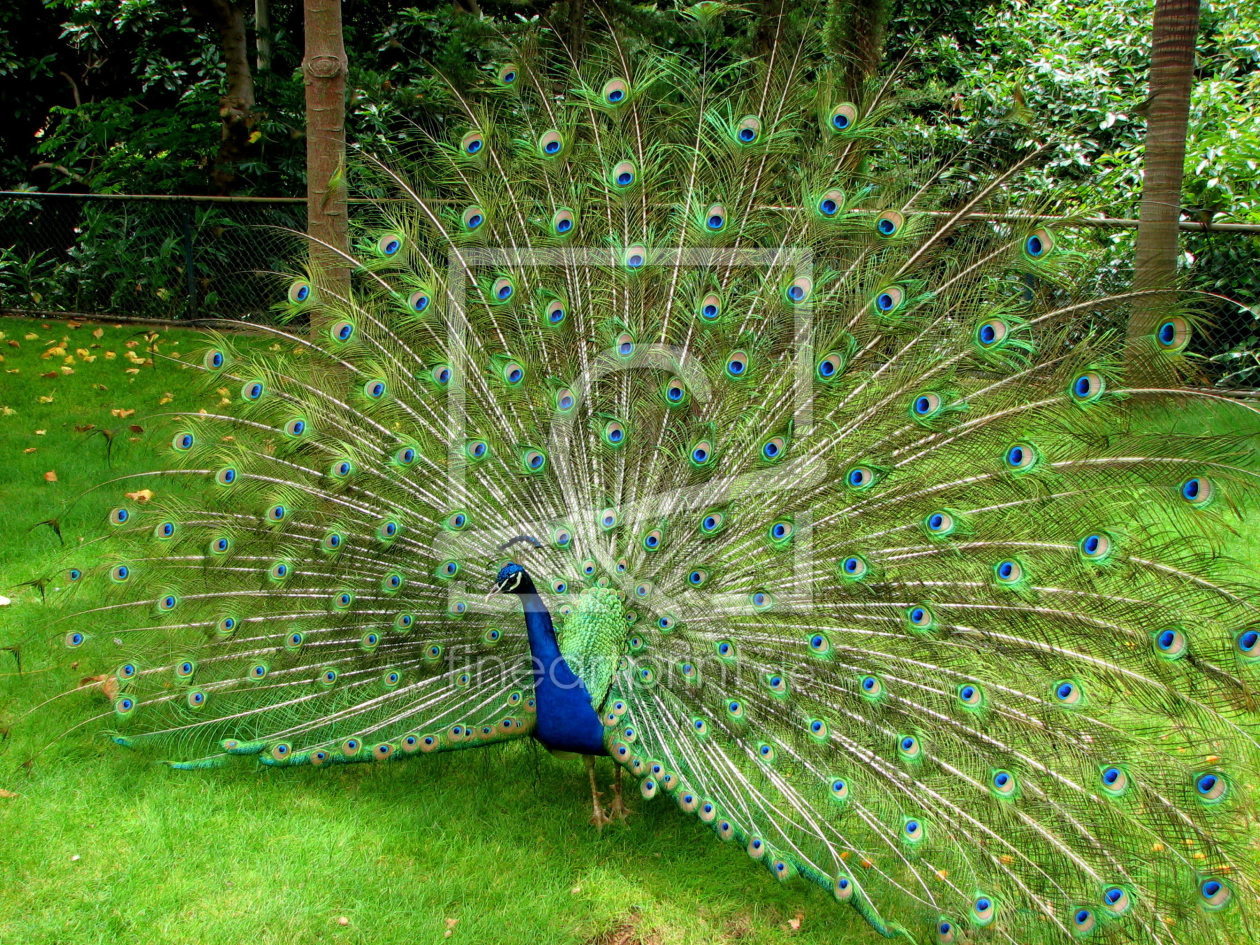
1176, 28
324, 72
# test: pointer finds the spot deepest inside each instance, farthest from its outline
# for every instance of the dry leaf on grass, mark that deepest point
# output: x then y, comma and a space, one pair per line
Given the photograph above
46, 399
122, 413
50, 476
4, 793
98, 332
144, 495
106, 683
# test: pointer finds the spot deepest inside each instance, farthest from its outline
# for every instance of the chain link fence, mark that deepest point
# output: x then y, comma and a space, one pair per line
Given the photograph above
179, 258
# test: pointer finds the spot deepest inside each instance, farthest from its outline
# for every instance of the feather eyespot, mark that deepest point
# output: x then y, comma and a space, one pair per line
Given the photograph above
551, 143
781, 531
710, 307
830, 367
472, 143
623, 174
774, 449
213, 360
1004, 784
502, 289
299, 292
842, 117
748, 130
1173, 335
472, 218
1008, 572
1215, 893
1197, 491
889, 223
983, 910
296, 427
913, 830
799, 290
418, 301
971, 696
1095, 547
926, 406
624, 345
390, 244
992, 332
939, 523
854, 568
615, 91
860, 477
1211, 787
715, 218
737, 364
1038, 244
563, 222
1087, 388
1115, 780
830, 203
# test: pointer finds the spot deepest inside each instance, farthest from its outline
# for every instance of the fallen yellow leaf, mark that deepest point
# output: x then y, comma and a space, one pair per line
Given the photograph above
50, 476
46, 398
144, 495
98, 332
40, 432
121, 413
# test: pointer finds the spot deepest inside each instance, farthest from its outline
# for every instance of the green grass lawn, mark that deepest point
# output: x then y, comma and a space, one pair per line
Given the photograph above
484, 847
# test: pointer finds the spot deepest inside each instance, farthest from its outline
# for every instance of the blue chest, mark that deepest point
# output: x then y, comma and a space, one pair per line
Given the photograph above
566, 720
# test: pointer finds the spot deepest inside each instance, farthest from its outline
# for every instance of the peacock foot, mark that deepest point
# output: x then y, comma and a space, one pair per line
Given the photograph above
618, 809
599, 819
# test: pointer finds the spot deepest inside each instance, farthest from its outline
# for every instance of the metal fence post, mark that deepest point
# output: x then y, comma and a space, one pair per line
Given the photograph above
187, 221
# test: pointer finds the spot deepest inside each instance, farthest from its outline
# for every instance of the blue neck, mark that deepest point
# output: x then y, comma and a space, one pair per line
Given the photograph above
566, 721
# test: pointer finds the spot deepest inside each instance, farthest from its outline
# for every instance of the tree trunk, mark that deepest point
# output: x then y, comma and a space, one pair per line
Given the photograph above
324, 72
857, 31
262, 35
237, 103
1175, 30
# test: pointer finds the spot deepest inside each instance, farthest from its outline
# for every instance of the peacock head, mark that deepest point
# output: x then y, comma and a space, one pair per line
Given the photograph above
512, 579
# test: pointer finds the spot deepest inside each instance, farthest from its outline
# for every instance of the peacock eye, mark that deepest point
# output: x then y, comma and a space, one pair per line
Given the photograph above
390, 244
624, 345
830, 367
502, 289
1038, 243
843, 116
748, 130
472, 218
798, 290
214, 360
773, 449
889, 223
623, 175
472, 143
299, 292
1088, 387
419, 301
1173, 334
563, 222
615, 91
507, 74
551, 143
992, 332
715, 218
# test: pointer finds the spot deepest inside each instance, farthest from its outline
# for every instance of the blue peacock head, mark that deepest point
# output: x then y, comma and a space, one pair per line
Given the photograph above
512, 579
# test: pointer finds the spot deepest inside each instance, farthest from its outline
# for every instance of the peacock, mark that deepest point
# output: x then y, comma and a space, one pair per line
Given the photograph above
680, 410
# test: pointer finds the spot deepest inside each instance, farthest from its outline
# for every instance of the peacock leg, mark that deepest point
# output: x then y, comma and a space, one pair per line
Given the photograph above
618, 809
598, 817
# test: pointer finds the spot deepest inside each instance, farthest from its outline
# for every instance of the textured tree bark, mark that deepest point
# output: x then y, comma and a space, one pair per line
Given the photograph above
857, 34
1175, 30
324, 74
236, 107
